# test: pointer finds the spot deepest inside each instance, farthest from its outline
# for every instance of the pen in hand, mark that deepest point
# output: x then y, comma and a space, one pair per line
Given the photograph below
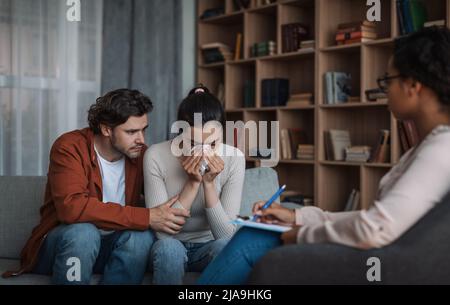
270, 201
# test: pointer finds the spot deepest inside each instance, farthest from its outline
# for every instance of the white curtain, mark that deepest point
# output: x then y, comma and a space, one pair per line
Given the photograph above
49, 76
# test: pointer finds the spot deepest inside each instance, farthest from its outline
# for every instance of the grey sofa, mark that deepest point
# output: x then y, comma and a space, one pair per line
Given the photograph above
21, 198
420, 256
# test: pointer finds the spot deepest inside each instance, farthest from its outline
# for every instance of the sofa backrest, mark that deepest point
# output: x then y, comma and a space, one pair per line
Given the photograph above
21, 198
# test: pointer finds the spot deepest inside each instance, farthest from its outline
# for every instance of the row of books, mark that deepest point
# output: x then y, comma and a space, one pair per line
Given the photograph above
408, 135
356, 32
292, 36
411, 15
274, 92
338, 87
290, 139
265, 48
353, 201
216, 52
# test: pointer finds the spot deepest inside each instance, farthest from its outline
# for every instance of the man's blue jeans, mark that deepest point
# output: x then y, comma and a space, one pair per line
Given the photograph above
234, 264
121, 256
170, 258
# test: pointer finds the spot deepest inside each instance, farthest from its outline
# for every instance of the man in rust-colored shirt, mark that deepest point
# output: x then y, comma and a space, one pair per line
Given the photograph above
93, 219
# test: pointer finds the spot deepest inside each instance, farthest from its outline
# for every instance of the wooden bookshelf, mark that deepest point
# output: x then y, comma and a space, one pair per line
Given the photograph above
329, 182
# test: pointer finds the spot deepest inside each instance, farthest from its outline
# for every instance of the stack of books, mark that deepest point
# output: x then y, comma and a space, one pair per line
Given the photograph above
376, 95
356, 32
353, 202
297, 198
411, 15
291, 138
408, 135
300, 100
274, 92
308, 45
357, 153
336, 141
381, 154
292, 36
266, 48
337, 87
305, 152
216, 52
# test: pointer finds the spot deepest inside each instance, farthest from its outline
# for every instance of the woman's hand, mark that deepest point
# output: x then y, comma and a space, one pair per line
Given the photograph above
275, 214
216, 166
191, 166
290, 237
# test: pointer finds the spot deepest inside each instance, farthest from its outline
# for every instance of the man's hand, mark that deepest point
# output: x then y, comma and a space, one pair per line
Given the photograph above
166, 219
290, 237
275, 214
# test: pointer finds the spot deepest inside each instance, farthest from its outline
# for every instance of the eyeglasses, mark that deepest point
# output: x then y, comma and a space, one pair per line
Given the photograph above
383, 82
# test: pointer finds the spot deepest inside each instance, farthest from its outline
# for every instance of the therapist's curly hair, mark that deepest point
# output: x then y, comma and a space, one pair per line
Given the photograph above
116, 107
424, 56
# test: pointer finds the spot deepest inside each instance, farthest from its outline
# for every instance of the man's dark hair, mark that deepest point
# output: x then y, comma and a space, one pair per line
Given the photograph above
116, 107
200, 100
425, 57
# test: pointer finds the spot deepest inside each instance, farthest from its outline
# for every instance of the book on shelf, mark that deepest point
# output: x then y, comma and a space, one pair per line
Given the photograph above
300, 100
357, 153
411, 15
292, 35
297, 198
376, 95
216, 52
291, 138
337, 87
212, 12
408, 135
266, 48
238, 47
353, 201
381, 154
356, 32
336, 141
274, 92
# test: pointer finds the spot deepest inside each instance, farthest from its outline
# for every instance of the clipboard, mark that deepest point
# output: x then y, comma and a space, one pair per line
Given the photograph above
261, 226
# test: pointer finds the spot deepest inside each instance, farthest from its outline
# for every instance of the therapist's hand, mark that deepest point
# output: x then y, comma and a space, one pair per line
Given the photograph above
275, 214
290, 237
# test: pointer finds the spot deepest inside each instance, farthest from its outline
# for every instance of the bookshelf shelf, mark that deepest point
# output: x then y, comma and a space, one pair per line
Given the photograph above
354, 105
328, 182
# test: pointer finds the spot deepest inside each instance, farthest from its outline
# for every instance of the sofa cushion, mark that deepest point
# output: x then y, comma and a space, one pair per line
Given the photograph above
259, 185
20, 200
35, 279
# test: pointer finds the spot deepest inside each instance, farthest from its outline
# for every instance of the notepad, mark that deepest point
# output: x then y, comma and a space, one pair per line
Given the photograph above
262, 226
